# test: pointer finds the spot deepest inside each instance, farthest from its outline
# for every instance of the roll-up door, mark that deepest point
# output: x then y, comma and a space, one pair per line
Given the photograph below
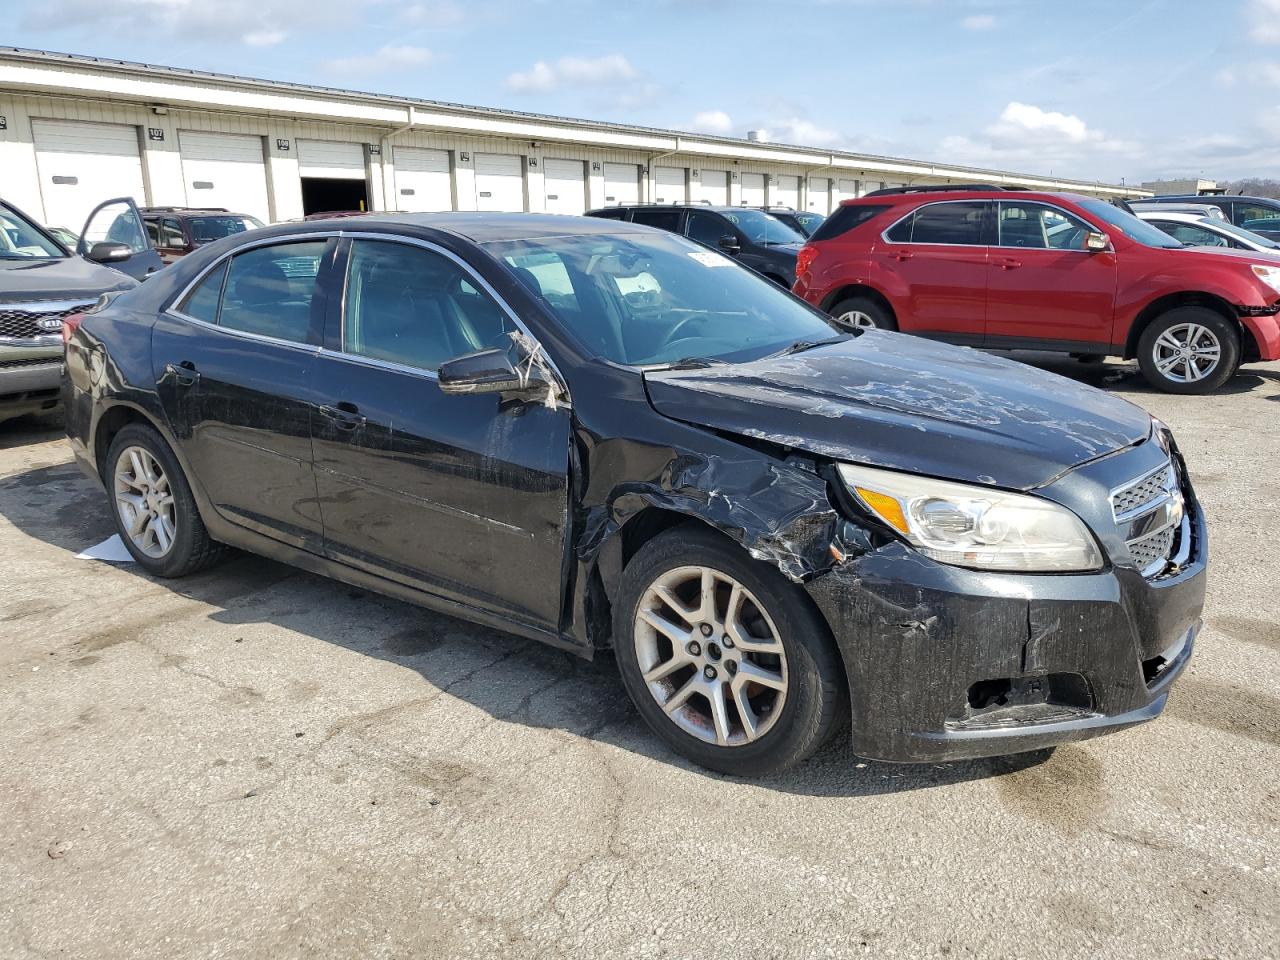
565, 183
785, 192
330, 160
753, 189
712, 186
621, 184
424, 183
82, 164
848, 190
499, 182
819, 195
670, 186
225, 170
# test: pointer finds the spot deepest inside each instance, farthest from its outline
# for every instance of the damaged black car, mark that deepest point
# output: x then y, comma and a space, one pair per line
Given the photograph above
604, 436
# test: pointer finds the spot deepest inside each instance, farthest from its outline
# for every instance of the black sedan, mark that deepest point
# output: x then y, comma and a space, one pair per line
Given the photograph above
602, 435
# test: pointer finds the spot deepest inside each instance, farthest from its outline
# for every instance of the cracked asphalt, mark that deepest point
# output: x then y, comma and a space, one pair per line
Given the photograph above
258, 762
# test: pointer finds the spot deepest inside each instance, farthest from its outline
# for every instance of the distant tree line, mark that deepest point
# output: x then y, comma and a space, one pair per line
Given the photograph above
1253, 187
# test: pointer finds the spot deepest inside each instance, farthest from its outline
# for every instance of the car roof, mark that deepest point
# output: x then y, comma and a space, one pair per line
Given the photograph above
1185, 215
478, 227
908, 198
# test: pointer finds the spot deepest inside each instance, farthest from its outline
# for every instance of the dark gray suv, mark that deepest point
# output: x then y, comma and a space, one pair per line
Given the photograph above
754, 238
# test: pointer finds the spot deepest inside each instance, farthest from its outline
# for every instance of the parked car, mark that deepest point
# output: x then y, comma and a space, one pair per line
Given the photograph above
1047, 271
803, 222
1199, 209
42, 282
1195, 230
176, 231
1258, 214
752, 237
597, 434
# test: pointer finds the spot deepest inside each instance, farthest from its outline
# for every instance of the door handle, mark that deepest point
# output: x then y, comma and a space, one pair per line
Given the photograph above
184, 374
903, 255
1008, 264
346, 416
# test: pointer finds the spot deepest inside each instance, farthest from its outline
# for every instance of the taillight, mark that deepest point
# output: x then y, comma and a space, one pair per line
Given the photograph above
805, 258
69, 324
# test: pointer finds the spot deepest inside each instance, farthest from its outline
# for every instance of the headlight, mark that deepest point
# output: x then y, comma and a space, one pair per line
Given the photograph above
977, 527
1268, 275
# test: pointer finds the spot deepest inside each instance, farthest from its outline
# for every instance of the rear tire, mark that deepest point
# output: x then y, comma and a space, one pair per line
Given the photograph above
152, 505
1189, 350
675, 681
862, 313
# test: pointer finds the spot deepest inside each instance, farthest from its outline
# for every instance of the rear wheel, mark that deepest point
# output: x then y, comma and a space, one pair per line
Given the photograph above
152, 504
1189, 350
723, 657
862, 313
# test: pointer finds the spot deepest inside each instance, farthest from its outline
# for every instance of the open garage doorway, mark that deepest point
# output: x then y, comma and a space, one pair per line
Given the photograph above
325, 194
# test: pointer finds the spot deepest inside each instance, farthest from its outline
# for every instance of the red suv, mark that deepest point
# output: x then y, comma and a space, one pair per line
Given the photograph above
1046, 271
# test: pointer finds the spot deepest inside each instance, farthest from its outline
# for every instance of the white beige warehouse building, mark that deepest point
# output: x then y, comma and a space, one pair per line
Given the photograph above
76, 130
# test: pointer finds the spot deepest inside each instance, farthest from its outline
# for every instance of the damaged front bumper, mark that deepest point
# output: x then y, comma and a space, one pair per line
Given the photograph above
946, 663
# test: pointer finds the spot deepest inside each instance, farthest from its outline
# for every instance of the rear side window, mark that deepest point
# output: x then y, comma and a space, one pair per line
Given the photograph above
613, 213
845, 219
662, 219
202, 302
269, 290
954, 223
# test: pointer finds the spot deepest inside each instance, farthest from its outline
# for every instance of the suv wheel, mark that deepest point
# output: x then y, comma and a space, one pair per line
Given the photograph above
723, 657
1189, 350
152, 504
862, 313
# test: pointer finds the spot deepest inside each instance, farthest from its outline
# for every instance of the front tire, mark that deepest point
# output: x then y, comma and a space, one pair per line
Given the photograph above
725, 659
862, 313
1189, 350
152, 505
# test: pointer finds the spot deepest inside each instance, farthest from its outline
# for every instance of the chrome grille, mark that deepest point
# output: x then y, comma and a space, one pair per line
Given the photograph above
23, 320
1151, 513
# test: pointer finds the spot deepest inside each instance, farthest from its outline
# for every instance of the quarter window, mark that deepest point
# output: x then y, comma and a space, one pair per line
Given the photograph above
958, 223
1036, 226
269, 291
415, 307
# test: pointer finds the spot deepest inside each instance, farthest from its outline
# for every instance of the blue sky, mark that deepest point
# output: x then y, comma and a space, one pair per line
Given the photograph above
1086, 88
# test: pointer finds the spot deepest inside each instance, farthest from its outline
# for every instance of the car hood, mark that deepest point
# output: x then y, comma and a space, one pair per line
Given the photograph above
64, 278
904, 403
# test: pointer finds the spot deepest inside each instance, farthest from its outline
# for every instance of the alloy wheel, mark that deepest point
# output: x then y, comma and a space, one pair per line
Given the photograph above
1186, 352
856, 319
710, 656
145, 502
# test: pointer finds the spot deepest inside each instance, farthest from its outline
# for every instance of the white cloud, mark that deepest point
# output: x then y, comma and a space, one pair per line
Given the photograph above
803, 133
543, 77
713, 121
1264, 20
265, 38
391, 57
979, 21
437, 15
1022, 120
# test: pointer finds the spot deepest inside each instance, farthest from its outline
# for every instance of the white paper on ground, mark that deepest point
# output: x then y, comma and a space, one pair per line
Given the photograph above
112, 550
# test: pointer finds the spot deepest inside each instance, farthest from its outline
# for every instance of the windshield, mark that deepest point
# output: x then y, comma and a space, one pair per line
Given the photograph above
762, 228
642, 300
1129, 225
809, 222
20, 240
1225, 226
208, 229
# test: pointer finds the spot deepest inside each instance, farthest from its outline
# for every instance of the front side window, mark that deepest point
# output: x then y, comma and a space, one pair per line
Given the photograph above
1191, 234
655, 299
117, 222
416, 307
269, 291
1254, 211
1038, 226
957, 224
707, 228
1126, 223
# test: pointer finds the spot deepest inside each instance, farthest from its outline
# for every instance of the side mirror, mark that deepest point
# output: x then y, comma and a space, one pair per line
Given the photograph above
1096, 242
729, 244
490, 371
106, 252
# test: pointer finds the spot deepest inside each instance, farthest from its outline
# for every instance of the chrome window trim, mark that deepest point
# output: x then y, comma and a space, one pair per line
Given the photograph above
320, 349
884, 234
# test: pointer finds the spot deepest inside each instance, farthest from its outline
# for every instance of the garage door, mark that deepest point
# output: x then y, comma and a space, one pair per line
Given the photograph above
224, 170
669, 187
712, 186
753, 189
868, 186
499, 182
848, 190
423, 180
621, 184
785, 192
566, 186
819, 195
333, 161
82, 164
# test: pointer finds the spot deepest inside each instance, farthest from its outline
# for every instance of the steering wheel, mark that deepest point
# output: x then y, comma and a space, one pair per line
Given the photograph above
673, 337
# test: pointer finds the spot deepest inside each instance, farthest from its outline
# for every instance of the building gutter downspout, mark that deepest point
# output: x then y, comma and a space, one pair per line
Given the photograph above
651, 174
388, 190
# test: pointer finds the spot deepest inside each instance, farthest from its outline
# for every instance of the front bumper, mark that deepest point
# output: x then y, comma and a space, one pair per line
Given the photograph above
931, 651
1266, 334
